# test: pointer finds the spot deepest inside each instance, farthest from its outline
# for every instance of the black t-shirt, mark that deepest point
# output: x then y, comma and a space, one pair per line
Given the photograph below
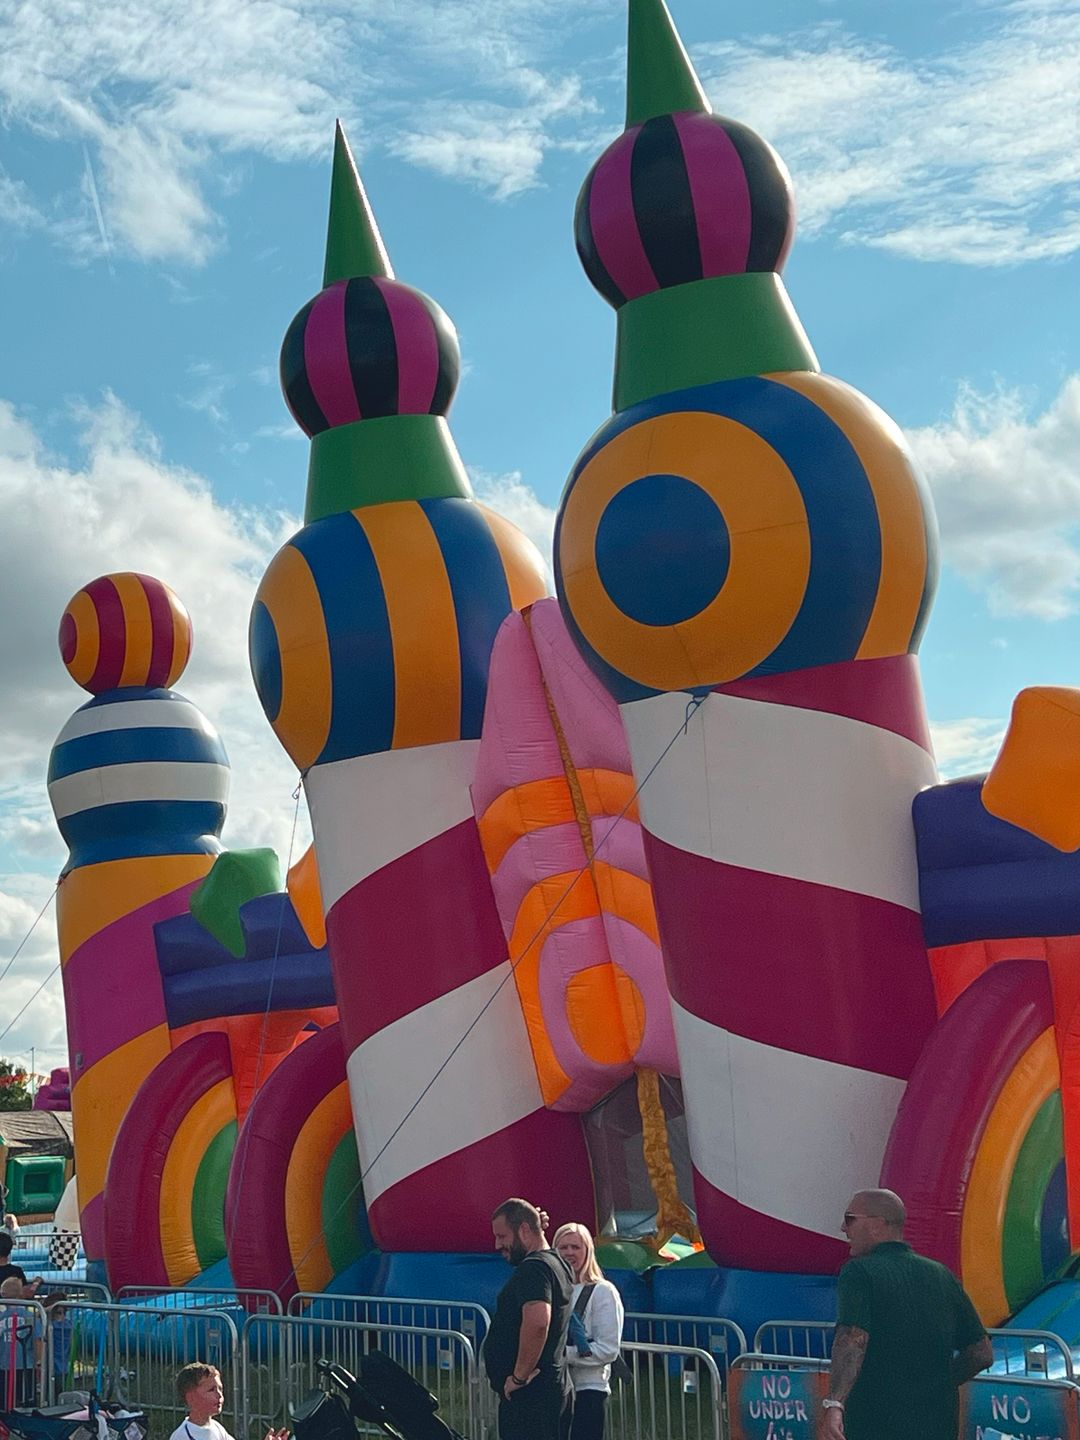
9, 1270
542, 1275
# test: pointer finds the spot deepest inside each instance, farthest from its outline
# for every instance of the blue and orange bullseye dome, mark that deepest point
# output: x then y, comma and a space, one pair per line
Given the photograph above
748, 527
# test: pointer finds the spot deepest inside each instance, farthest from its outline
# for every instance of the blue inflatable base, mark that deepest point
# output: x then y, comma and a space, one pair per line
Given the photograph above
405, 1275
748, 1297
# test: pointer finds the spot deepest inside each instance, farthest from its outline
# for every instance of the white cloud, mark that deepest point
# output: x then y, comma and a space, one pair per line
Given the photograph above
158, 91
164, 94
29, 981
17, 209
1007, 490
208, 393
496, 147
484, 147
966, 747
518, 502
123, 507
969, 155
153, 194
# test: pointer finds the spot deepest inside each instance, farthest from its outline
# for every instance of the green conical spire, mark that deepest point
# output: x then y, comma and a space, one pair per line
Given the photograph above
660, 79
392, 457
353, 243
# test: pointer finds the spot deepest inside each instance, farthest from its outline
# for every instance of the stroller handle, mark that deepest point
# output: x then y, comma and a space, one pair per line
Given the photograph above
335, 1372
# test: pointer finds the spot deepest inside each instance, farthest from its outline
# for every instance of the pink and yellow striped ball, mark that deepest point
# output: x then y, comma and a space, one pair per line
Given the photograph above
125, 630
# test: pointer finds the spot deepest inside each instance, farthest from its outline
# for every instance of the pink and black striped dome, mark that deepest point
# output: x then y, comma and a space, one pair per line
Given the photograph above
366, 348
679, 198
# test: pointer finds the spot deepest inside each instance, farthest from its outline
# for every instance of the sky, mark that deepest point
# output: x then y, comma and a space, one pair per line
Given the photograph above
164, 175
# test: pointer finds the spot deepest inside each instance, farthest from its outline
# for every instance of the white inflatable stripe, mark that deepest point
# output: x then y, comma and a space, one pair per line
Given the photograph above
141, 780
489, 1084
787, 1135
176, 714
782, 790
369, 811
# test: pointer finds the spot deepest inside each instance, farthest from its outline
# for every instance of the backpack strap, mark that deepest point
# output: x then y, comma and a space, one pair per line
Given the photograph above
551, 1261
582, 1301
541, 1257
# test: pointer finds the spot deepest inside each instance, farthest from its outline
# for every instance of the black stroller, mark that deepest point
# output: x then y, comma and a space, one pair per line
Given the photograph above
384, 1394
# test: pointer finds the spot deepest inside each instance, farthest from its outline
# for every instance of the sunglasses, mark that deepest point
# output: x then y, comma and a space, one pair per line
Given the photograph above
849, 1217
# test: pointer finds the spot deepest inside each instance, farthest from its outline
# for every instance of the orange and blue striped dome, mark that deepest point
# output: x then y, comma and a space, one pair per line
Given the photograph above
372, 629
749, 527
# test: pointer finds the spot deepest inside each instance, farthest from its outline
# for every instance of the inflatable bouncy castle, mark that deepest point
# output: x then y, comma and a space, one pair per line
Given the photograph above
187, 977
643, 901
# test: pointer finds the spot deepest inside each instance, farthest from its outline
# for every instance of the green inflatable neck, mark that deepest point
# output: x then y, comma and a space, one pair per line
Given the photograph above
395, 457
719, 329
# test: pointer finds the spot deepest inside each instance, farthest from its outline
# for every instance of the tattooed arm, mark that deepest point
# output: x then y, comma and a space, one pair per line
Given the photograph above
848, 1353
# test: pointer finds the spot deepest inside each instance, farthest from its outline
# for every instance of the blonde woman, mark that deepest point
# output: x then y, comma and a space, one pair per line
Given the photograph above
594, 1341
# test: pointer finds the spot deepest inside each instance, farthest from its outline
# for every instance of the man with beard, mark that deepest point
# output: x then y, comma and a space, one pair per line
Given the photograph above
525, 1349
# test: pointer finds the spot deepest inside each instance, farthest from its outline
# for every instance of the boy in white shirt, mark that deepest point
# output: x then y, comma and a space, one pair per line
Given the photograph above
203, 1396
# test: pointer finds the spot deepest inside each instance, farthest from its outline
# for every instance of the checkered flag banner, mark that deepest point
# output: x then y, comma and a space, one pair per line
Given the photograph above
64, 1249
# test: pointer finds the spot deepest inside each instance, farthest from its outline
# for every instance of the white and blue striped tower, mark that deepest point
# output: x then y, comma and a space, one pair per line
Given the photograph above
138, 781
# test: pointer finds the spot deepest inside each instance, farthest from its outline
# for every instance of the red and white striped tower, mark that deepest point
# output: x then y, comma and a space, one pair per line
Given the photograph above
745, 554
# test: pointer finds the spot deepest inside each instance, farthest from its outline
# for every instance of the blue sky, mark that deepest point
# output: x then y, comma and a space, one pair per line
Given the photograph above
164, 175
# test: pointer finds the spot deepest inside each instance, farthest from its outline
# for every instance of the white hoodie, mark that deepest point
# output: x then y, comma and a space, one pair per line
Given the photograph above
603, 1321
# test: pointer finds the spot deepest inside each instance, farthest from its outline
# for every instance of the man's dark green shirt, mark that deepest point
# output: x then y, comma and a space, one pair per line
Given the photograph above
917, 1316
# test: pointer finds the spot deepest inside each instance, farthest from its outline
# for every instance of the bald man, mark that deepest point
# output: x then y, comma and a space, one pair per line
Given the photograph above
907, 1336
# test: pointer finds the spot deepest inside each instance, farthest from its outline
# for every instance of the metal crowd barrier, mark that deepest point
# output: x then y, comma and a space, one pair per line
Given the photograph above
774, 1395
722, 1339
254, 1301
764, 1360
26, 1239
691, 1376
471, 1319
1034, 1354
25, 1351
133, 1353
675, 1393
811, 1339
33, 1249
76, 1290
766, 1392
1016, 1406
279, 1354
1039, 1354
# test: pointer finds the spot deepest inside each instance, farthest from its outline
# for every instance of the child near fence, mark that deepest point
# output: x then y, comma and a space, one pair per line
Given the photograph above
22, 1334
202, 1395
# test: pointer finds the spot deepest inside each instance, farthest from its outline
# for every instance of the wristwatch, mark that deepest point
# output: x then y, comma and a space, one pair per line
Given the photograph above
830, 1404
519, 1383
